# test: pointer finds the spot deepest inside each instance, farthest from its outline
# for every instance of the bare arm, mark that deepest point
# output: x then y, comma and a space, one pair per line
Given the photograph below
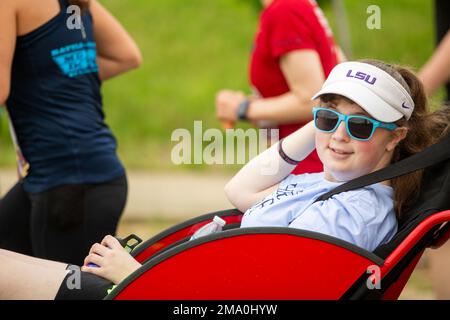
262, 175
304, 75
437, 69
117, 51
8, 43
303, 72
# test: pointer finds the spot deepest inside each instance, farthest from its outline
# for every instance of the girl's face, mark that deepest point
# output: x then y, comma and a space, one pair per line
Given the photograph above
345, 158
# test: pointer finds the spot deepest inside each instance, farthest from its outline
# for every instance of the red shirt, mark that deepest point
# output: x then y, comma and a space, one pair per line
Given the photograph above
288, 25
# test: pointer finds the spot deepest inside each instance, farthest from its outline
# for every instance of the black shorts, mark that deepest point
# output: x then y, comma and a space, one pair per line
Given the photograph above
89, 286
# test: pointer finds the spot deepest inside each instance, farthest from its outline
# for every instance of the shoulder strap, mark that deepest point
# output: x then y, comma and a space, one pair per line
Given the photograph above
426, 158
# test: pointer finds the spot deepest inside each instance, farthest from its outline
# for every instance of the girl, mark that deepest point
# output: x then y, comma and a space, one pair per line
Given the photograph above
55, 53
370, 114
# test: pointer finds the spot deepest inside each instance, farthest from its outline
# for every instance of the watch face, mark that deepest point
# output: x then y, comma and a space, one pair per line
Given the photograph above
243, 108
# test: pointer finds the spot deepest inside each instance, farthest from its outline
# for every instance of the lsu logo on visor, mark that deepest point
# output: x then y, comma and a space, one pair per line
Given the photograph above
361, 76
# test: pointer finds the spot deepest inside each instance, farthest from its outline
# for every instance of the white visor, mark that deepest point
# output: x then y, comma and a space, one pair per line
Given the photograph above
377, 92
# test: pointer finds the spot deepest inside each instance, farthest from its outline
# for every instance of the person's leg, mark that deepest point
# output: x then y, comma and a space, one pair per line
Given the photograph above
33, 260
439, 271
104, 206
68, 220
86, 287
15, 213
57, 224
24, 279
28, 278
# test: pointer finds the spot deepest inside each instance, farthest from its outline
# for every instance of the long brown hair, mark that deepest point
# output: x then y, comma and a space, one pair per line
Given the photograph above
425, 128
83, 4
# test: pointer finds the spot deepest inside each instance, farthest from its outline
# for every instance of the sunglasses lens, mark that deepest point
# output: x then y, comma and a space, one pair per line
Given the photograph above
326, 120
360, 128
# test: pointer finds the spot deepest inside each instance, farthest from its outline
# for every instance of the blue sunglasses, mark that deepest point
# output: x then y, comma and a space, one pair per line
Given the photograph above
358, 127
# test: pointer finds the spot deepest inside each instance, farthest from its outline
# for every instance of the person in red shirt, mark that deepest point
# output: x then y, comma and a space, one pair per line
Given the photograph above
294, 52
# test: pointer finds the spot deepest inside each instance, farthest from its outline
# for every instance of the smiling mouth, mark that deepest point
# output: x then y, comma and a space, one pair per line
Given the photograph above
340, 152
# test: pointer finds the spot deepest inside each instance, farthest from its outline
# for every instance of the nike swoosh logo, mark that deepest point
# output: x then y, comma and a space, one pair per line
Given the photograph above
405, 106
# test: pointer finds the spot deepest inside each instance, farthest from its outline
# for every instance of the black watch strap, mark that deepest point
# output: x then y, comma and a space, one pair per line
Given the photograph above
243, 109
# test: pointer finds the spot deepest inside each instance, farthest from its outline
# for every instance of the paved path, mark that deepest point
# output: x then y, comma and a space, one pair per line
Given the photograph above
156, 194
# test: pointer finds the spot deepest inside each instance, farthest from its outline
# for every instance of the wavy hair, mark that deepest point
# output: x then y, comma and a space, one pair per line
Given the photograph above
425, 128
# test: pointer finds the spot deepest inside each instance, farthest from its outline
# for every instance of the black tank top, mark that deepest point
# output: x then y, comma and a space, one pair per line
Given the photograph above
55, 106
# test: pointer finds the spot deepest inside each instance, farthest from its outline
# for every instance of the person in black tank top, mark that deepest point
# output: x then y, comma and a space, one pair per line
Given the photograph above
73, 187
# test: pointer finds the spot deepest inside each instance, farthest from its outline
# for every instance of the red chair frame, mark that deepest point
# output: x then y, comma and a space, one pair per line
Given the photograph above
271, 263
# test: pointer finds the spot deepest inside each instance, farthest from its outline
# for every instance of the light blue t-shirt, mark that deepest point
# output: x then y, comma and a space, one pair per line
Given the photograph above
364, 217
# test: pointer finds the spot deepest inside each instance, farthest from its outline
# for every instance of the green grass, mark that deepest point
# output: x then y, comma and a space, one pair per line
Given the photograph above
192, 49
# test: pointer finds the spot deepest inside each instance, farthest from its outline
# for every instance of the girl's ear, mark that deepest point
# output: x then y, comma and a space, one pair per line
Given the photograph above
397, 135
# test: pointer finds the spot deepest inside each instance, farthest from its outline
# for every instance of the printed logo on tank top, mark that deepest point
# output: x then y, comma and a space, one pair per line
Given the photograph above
76, 59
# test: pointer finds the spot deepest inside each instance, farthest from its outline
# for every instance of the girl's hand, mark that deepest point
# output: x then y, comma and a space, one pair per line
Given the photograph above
114, 263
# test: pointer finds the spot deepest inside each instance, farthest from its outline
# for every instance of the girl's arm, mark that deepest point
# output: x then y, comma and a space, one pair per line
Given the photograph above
262, 175
117, 52
7, 45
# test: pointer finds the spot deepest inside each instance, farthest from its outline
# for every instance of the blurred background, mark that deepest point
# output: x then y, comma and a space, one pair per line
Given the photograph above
191, 49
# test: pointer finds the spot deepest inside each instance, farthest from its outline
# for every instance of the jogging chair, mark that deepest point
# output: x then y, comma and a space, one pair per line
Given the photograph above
285, 263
